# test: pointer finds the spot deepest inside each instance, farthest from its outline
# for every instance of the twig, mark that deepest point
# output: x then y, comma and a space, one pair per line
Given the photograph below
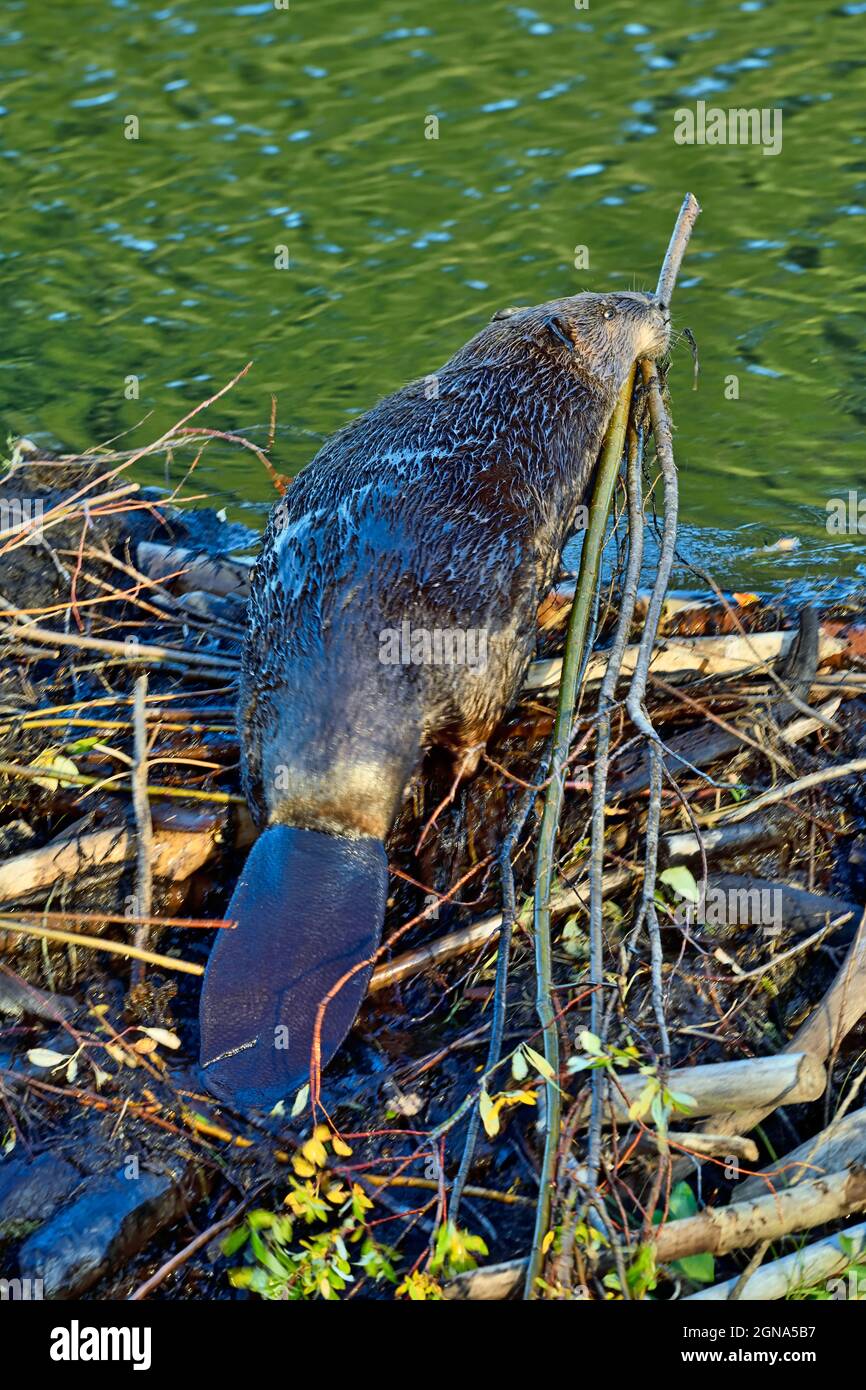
578, 623
81, 779
509, 1199
41, 522
465, 939
679, 241
730, 814
131, 650
664, 290
665, 453
599, 783
99, 943
500, 993
739, 1288
143, 824
202, 1239
103, 918
648, 908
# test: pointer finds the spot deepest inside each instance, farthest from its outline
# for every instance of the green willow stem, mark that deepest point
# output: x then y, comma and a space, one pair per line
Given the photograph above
80, 779
578, 623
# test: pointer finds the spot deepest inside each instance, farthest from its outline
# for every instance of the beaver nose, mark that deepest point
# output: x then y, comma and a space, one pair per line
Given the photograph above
659, 303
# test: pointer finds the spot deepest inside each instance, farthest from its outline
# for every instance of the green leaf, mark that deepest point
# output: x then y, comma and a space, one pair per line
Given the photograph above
682, 1203
489, 1111
81, 745
576, 1064
519, 1067
641, 1273
541, 1064
700, 1269
642, 1105
44, 1057
300, 1101
659, 1112
681, 1100
682, 881
235, 1240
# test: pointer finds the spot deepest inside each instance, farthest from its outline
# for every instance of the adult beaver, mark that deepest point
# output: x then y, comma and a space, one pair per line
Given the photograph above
443, 510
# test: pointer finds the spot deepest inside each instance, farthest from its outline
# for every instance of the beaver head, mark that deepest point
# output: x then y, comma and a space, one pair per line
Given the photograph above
600, 334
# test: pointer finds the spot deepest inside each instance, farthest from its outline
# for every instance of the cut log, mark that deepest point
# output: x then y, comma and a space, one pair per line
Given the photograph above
727, 839
176, 855
842, 1006
741, 900
459, 943
707, 656
802, 1270
488, 1284
717, 1145
718, 1230
777, 1080
842, 1143
202, 570
706, 744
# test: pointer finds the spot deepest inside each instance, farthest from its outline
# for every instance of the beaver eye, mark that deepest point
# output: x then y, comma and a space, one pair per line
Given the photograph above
609, 312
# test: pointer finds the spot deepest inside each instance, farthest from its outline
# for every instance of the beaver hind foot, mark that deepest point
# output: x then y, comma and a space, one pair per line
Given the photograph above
309, 909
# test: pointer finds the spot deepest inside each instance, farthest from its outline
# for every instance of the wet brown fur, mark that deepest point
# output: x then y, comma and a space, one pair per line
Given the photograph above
446, 505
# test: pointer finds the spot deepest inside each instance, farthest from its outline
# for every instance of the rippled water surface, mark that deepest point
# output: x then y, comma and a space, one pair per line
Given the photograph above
305, 129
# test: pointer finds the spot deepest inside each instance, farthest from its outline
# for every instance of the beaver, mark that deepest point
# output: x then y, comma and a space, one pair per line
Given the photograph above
444, 509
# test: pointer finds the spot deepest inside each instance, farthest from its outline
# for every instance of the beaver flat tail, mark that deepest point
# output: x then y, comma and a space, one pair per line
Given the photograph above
309, 909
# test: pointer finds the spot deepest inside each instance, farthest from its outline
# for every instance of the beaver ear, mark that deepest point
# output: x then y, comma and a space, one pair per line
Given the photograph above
509, 313
558, 329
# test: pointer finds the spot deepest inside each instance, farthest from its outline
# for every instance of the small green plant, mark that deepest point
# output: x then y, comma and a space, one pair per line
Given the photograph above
698, 1269
278, 1264
454, 1251
420, 1287
849, 1284
655, 1101
641, 1275
323, 1265
281, 1263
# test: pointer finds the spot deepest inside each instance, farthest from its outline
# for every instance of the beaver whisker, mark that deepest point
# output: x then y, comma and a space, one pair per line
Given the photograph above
688, 335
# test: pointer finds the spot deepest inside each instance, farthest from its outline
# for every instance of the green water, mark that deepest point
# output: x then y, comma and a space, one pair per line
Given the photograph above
305, 128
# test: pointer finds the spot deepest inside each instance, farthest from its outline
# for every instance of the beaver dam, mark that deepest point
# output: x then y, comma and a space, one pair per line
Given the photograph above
612, 1044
